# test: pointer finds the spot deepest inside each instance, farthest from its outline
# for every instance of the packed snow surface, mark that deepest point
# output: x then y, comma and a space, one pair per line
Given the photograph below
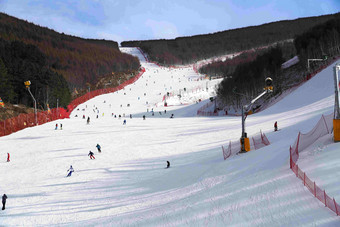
127, 184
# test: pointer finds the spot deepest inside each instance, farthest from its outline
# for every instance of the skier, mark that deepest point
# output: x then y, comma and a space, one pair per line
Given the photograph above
56, 126
4, 197
168, 164
99, 148
275, 126
84, 117
88, 120
91, 155
143, 117
124, 122
172, 116
70, 171
8, 156
61, 126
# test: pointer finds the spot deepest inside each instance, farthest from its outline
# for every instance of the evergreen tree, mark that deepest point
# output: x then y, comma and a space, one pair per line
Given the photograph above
6, 89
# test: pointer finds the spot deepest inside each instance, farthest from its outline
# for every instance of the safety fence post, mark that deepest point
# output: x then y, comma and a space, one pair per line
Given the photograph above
297, 170
324, 194
324, 120
304, 178
290, 156
336, 208
314, 190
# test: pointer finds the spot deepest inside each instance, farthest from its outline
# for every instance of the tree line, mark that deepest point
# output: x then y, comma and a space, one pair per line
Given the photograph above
228, 66
20, 62
80, 61
318, 42
184, 50
248, 77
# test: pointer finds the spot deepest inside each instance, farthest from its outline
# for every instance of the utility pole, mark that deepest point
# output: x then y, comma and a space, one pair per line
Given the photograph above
27, 84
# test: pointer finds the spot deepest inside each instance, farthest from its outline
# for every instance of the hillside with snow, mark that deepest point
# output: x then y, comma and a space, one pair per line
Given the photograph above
127, 184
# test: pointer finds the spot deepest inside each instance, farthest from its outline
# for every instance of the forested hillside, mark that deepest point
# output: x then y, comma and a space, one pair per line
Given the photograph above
20, 62
79, 60
319, 42
185, 50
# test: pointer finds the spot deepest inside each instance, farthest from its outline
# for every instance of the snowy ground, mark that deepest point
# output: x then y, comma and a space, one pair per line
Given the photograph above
127, 184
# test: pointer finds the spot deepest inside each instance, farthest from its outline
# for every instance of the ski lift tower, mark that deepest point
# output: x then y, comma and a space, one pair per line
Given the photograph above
27, 84
245, 144
336, 118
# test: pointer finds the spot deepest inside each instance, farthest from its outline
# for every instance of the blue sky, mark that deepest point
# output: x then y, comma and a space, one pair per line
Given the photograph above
122, 20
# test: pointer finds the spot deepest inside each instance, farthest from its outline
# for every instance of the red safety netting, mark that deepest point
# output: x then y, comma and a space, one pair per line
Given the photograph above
22, 121
95, 93
322, 128
256, 142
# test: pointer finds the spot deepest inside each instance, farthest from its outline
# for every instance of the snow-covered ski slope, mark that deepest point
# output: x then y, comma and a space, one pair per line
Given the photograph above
127, 184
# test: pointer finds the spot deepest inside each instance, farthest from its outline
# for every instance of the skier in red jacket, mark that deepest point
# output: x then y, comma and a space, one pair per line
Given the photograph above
275, 126
8, 156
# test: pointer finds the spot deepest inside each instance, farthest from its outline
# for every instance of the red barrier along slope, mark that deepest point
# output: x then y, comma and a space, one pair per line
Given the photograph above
322, 128
22, 121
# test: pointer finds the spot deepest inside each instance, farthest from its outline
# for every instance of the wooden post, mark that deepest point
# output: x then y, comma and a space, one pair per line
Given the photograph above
304, 178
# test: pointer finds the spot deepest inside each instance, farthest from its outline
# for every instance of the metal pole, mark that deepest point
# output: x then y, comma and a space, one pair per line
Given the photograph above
336, 90
243, 147
243, 123
35, 106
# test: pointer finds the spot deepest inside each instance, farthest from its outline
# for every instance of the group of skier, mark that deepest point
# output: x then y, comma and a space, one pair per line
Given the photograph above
91, 154
56, 126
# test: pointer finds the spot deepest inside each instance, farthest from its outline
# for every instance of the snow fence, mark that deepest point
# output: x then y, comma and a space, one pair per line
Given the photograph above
22, 121
256, 142
322, 128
